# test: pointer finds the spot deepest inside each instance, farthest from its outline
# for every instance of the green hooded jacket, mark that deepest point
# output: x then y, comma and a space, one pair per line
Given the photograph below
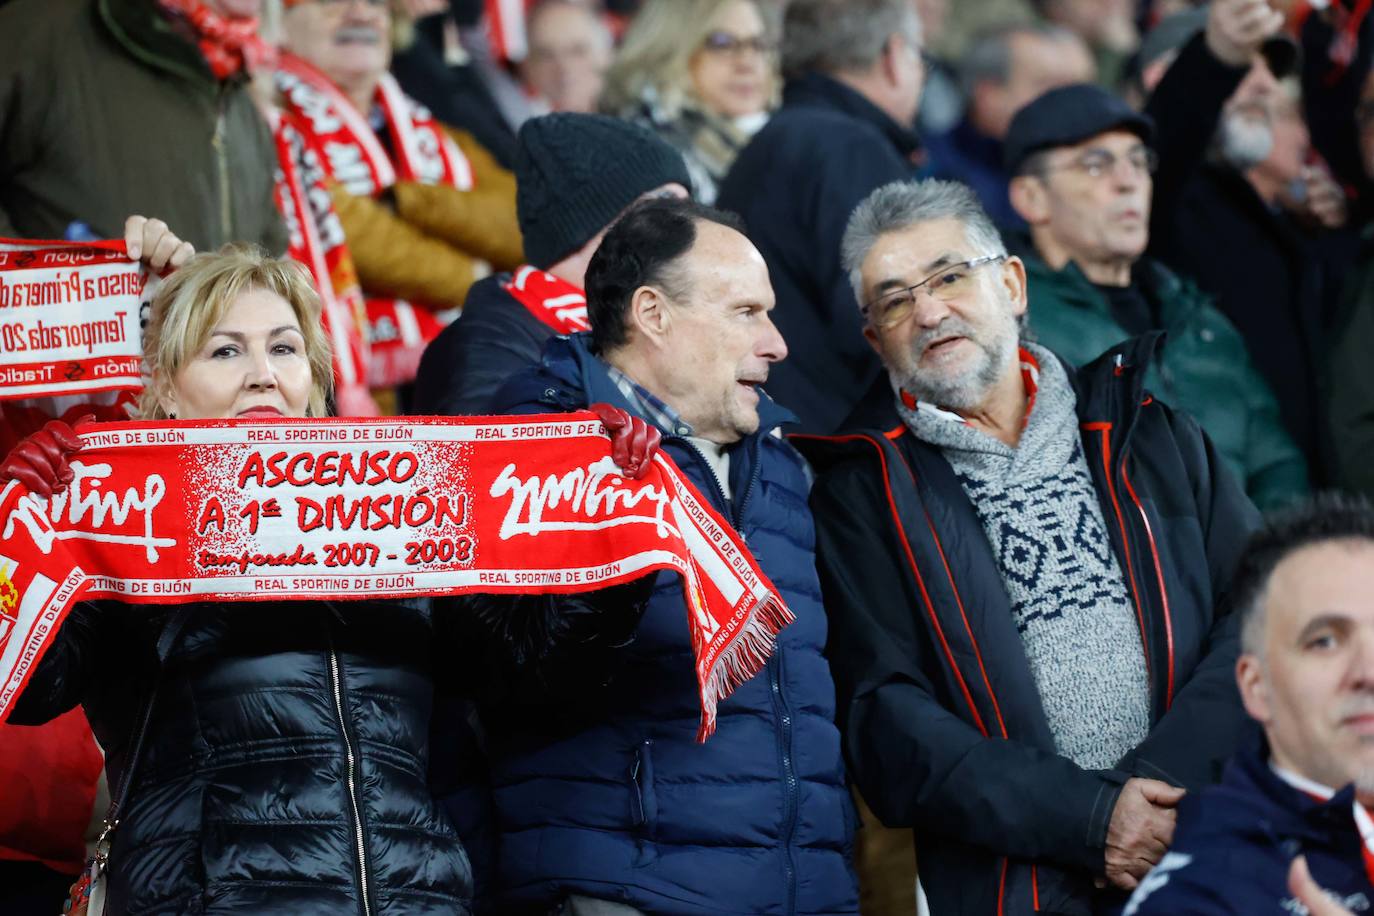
106, 110
1202, 368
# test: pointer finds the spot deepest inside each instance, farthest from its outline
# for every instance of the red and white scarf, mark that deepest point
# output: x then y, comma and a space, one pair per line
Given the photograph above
351, 152
229, 44
317, 241
253, 510
554, 301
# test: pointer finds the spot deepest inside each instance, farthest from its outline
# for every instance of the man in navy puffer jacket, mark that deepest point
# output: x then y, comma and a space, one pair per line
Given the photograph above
1306, 674
622, 811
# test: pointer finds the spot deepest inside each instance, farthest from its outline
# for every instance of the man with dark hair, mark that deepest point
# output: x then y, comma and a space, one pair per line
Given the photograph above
1022, 564
574, 174
617, 809
1083, 160
1305, 591
854, 73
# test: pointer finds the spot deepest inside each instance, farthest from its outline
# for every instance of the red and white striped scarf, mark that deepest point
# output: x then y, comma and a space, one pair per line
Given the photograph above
552, 300
229, 44
350, 151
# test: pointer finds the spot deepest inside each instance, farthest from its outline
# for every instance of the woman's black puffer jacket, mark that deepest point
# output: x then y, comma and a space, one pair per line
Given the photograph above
284, 768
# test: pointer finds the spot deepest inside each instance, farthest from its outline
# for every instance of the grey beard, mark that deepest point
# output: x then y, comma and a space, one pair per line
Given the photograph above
971, 389
1242, 142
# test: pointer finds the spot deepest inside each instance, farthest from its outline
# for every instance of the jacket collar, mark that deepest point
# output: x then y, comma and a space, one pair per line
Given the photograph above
141, 29
585, 379
1293, 813
816, 90
1161, 286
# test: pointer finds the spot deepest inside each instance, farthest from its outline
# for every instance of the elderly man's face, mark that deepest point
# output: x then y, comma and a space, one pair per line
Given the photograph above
723, 338
569, 53
347, 40
950, 350
1097, 197
1313, 686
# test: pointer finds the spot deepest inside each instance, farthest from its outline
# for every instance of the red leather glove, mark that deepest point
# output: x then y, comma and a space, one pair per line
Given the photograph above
633, 442
39, 461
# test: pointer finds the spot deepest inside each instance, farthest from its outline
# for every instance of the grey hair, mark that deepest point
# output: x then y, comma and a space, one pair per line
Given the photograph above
988, 58
843, 36
903, 204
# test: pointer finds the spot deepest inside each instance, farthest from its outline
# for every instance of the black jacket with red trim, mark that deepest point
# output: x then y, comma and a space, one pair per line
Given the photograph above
942, 721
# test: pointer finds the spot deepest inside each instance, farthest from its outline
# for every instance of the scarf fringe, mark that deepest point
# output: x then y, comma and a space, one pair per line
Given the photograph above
745, 657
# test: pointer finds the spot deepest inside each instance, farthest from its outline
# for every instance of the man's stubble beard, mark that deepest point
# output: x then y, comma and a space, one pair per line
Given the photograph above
969, 389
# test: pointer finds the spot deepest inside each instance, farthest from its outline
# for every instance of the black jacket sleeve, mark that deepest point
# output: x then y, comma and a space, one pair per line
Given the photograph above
66, 671
1191, 743
1186, 108
916, 762
495, 338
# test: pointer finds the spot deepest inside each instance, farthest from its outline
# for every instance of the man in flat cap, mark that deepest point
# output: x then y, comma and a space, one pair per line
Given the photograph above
1083, 167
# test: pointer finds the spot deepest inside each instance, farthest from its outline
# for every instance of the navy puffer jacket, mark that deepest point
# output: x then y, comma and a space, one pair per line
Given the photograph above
285, 765
627, 806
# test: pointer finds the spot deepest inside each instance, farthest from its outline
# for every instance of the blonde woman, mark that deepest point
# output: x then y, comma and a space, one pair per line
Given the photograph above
275, 754
700, 73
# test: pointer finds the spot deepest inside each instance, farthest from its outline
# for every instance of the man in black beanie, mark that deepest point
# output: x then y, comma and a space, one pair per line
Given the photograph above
575, 173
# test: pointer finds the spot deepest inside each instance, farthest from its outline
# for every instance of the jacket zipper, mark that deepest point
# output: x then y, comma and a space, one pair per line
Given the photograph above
1163, 591
222, 166
780, 708
1110, 473
351, 780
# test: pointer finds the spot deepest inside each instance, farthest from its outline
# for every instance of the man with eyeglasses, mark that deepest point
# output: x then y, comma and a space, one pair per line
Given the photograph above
1083, 168
1021, 562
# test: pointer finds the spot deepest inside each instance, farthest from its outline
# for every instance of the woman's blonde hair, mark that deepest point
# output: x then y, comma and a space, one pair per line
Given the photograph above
191, 303
657, 50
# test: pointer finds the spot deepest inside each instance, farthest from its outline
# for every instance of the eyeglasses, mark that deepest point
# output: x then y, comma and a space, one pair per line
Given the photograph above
1098, 162
946, 284
725, 43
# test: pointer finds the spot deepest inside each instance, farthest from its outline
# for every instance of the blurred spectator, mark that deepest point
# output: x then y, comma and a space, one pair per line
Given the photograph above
570, 48
1306, 786
1337, 52
81, 84
1233, 149
575, 174
702, 75
425, 209
1350, 410
447, 64
1083, 163
1108, 26
1002, 71
942, 102
853, 70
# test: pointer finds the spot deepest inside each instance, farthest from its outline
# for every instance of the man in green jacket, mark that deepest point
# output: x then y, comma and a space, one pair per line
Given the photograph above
1083, 181
115, 107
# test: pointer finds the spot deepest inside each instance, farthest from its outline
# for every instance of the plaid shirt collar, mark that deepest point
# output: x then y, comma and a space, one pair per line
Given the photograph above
648, 406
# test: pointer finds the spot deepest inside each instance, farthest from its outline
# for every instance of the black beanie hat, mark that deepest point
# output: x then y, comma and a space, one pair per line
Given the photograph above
575, 173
